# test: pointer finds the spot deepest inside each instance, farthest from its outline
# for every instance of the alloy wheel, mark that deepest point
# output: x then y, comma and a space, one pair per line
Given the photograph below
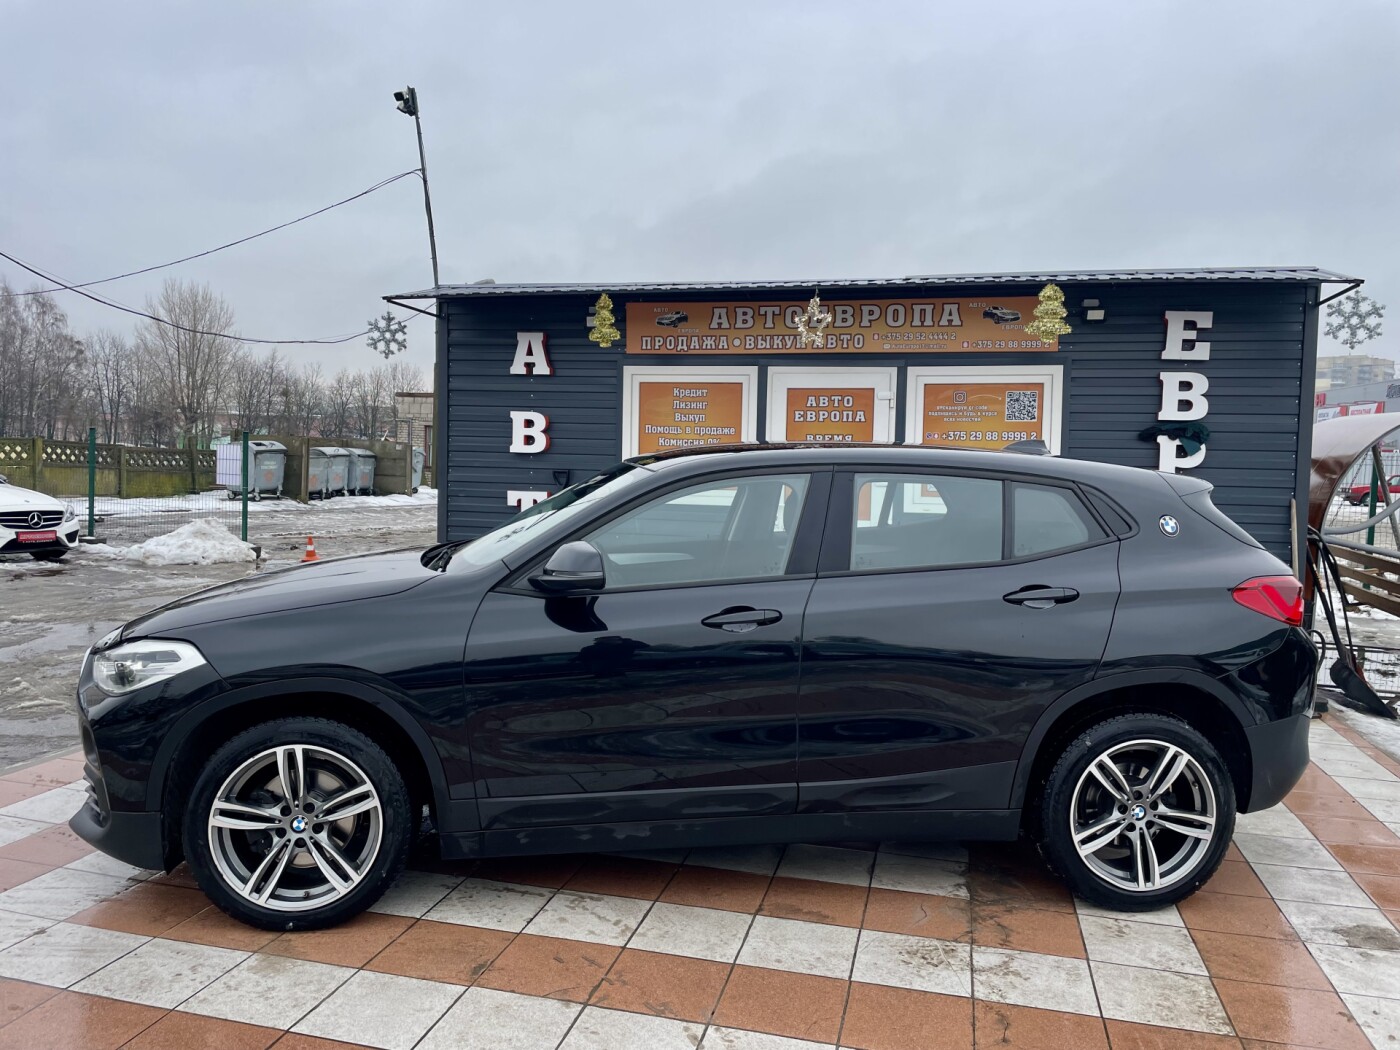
295, 827
1143, 815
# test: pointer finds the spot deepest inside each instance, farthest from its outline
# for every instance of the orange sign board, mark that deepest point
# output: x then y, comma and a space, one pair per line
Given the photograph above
831, 414
858, 326
678, 415
982, 415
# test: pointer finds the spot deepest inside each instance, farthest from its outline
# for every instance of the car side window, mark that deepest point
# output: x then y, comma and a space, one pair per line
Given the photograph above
1047, 518
925, 521
736, 529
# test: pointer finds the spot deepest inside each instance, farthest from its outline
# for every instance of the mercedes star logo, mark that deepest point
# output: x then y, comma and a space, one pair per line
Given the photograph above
35, 519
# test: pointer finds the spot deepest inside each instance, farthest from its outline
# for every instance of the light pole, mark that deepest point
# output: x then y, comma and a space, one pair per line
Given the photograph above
407, 100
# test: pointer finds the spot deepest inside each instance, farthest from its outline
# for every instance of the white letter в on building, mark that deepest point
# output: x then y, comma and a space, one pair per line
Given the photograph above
1183, 395
528, 432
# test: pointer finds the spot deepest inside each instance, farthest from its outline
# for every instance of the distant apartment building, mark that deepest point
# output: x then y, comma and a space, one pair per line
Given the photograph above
1347, 370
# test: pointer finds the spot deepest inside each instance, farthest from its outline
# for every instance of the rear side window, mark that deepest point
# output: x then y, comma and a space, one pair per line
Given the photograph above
925, 521
1046, 518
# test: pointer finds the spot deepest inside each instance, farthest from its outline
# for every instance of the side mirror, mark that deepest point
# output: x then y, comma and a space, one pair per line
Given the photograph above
576, 566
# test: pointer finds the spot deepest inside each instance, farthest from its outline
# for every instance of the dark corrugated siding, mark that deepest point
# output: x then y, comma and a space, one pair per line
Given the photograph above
1113, 391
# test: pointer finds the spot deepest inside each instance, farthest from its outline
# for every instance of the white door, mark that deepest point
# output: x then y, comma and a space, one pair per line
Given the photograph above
815, 403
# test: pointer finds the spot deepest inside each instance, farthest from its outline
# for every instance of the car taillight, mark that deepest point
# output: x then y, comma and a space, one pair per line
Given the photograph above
1277, 597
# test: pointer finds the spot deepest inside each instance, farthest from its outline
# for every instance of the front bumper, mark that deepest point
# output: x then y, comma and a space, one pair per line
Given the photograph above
1279, 752
65, 540
134, 838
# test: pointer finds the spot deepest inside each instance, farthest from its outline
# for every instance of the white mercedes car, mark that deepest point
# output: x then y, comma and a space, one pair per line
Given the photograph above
35, 524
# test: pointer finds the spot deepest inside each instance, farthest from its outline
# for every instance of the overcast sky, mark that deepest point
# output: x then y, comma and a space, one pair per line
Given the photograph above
604, 141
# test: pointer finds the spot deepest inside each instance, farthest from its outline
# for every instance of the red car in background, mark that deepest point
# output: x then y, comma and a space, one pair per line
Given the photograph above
1359, 494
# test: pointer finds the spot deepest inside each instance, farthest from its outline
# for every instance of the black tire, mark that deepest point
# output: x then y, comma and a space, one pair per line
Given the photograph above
48, 555
396, 820
1059, 806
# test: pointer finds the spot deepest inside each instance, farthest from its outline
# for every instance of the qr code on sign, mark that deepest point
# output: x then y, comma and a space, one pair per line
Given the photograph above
1022, 406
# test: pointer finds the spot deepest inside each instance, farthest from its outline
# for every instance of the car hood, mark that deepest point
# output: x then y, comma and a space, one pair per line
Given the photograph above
299, 587
12, 497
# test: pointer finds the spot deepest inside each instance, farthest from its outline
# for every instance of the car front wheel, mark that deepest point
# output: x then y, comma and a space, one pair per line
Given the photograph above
297, 824
1137, 813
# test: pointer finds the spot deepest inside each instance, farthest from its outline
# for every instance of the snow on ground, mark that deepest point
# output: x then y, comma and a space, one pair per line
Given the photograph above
216, 501
200, 542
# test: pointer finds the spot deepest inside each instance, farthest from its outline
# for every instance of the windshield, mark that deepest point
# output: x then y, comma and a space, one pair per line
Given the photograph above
573, 502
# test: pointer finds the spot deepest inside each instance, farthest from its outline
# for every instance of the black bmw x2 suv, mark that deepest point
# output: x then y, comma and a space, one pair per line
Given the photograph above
738, 645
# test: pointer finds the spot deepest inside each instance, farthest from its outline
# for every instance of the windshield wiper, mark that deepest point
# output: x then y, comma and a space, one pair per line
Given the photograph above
438, 555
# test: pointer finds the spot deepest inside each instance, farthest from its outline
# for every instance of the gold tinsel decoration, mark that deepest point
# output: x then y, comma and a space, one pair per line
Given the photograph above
1049, 323
604, 331
811, 325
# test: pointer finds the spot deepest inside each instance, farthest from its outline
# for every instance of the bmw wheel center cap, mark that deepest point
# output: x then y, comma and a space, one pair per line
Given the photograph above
1169, 525
1139, 811
299, 825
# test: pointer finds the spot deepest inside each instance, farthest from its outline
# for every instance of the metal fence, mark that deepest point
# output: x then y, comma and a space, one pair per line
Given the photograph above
1351, 508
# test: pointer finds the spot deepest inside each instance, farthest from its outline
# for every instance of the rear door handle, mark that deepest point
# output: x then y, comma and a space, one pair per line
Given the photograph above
1036, 597
742, 620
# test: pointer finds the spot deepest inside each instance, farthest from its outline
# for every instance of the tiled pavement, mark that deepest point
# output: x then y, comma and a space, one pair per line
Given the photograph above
896, 947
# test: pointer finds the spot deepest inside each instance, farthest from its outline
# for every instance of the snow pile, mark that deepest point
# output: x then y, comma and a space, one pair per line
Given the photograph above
422, 498
201, 542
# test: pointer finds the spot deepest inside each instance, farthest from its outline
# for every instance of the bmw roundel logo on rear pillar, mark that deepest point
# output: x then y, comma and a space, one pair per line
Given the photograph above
1169, 525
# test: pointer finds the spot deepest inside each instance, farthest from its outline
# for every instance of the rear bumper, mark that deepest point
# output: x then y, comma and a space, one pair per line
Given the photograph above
135, 838
1279, 754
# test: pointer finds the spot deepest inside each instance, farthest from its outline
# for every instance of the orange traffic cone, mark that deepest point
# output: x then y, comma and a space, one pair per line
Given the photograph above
311, 554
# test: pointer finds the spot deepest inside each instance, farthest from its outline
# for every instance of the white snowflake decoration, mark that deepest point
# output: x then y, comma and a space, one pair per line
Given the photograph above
1354, 319
387, 335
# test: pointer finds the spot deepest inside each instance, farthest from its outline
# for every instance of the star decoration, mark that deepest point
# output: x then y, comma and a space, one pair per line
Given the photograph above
811, 325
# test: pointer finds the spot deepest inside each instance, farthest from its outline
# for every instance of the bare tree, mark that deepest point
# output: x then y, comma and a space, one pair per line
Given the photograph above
192, 363
303, 400
40, 365
111, 363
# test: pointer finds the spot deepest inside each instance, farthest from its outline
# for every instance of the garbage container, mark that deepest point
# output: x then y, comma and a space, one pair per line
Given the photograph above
327, 471
267, 465
418, 458
362, 462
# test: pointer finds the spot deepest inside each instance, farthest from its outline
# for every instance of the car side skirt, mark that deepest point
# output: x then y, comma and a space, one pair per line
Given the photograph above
988, 825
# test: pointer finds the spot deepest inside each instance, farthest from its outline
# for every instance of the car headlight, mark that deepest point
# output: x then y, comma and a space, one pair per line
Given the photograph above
69, 514
136, 664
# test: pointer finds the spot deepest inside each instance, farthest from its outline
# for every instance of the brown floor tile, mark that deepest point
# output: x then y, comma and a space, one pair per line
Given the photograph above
919, 914
47, 775
70, 1021
1237, 877
1001, 874
177, 1031
1026, 1028
1342, 832
551, 967
1290, 1015
880, 1018
1125, 1036
19, 997
665, 985
834, 903
16, 872
12, 792
53, 846
145, 909
296, 1041
1259, 1044
797, 1005
1377, 860
1383, 889
441, 951
1315, 782
740, 891
1262, 960
622, 877
352, 943
1306, 805
551, 871
1027, 929
213, 927
1231, 913
1232, 852
181, 876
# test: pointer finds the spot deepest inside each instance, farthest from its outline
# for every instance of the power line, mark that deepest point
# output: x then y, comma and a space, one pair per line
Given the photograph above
59, 286
171, 324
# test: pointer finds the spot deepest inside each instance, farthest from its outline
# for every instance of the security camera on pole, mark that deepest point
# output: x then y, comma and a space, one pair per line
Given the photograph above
407, 101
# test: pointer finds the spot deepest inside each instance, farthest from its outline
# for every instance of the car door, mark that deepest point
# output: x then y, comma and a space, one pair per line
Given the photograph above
949, 611
672, 692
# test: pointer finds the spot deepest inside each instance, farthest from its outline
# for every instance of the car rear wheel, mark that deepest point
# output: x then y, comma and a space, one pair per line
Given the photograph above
297, 824
1137, 813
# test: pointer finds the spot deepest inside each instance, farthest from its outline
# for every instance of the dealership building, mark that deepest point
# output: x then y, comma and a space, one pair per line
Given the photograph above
1207, 372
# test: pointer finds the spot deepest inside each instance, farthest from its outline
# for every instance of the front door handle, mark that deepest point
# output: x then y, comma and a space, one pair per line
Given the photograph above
1036, 597
741, 620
